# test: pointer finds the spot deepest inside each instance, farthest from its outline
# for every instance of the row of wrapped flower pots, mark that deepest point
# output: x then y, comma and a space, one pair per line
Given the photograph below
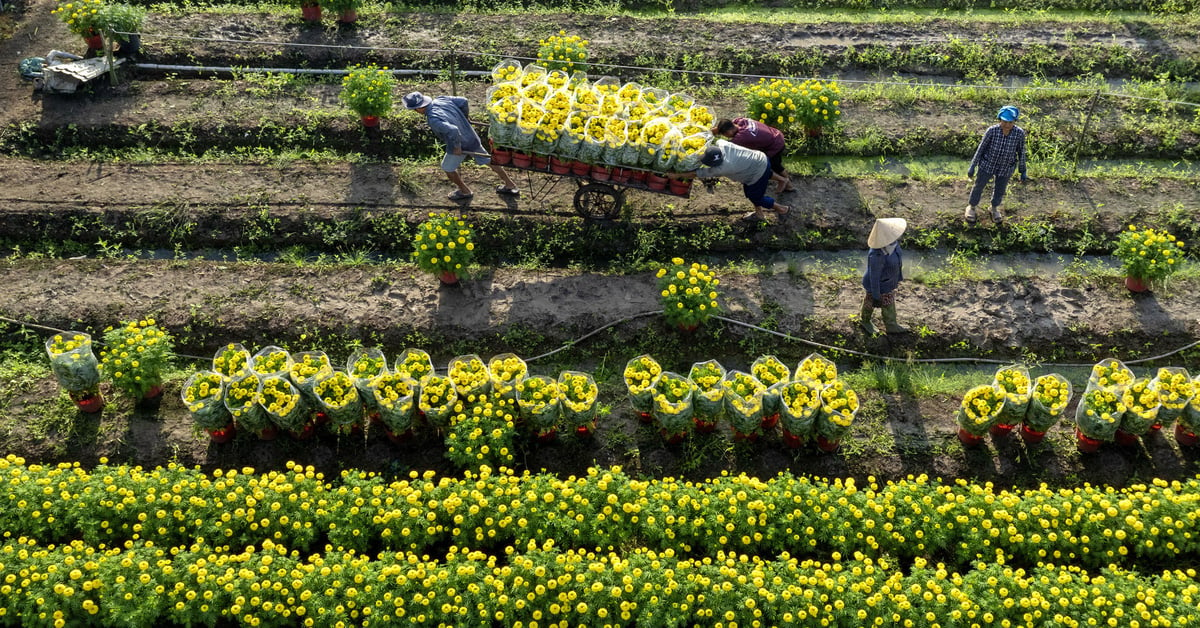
274, 390
632, 177
1115, 406
809, 405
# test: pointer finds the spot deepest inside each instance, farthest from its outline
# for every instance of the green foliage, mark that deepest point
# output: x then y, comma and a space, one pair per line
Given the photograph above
82, 17
688, 293
563, 52
135, 356
367, 90
813, 104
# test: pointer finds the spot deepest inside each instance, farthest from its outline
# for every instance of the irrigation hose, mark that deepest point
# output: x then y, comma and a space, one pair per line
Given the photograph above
874, 356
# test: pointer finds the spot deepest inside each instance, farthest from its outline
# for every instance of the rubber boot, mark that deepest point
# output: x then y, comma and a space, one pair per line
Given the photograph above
864, 317
889, 320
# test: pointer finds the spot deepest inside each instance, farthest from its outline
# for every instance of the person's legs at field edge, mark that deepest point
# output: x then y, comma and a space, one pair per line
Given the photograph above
998, 196
756, 193
450, 164
781, 176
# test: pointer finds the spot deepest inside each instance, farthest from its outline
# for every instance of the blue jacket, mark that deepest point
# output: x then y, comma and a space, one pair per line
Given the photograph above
884, 272
447, 116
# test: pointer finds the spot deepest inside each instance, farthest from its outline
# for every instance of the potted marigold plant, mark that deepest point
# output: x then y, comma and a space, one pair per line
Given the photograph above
123, 23
1147, 256
674, 409
688, 293
310, 10
76, 369
135, 357
367, 91
814, 105
1051, 394
744, 404
978, 412
641, 374
204, 397
577, 401
347, 10
839, 406
444, 245
83, 18
538, 399
567, 53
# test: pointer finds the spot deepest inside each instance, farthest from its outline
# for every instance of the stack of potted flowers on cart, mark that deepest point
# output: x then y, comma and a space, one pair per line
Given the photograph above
978, 412
539, 403
578, 394
1175, 393
799, 402
1017, 387
708, 396
773, 374
599, 128
641, 375
75, 367
204, 396
839, 407
1051, 394
743, 404
673, 397
394, 395
1142, 405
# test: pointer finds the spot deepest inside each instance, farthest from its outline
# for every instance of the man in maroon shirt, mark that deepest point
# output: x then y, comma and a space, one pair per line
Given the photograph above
748, 133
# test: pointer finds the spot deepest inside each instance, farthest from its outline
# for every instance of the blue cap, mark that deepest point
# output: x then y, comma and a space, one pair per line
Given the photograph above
1008, 113
712, 157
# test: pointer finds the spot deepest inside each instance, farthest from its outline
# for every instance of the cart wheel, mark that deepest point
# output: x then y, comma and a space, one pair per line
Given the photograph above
598, 201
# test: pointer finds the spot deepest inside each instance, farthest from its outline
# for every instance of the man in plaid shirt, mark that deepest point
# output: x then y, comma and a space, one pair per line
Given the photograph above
1001, 151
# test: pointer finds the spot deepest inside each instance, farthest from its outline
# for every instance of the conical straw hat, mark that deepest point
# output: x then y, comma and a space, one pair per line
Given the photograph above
886, 231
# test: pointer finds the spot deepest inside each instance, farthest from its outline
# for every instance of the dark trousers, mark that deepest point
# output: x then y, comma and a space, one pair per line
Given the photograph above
757, 192
997, 191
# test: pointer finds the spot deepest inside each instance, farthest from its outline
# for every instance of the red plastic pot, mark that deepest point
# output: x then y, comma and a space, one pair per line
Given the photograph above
687, 328
656, 182
1186, 437
968, 439
1031, 436
749, 438
673, 439
223, 435
769, 422
305, 433
370, 121
522, 160
91, 403
94, 42
1154, 427
645, 417
268, 433
1001, 429
580, 168
585, 431
601, 173
448, 277
680, 187
399, 438
502, 156
791, 440
310, 12
827, 445
540, 162
620, 175
349, 16
547, 436
1136, 285
639, 175
1085, 443
322, 418
704, 427
559, 166
1126, 439
154, 393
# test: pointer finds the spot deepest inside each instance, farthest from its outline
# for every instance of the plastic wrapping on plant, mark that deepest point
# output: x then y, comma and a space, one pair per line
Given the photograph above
232, 361
470, 376
283, 403
73, 362
339, 399
1142, 406
241, 399
641, 374
799, 402
395, 397
1051, 394
839, 407
1175, 391
415, 364
1014, 380
436, 400
307, 367
362, 366
203, 394
538, 400
506, 370
743, 401
271, 360
817, 368
1099, 412
1110, 374
980, 409
708, 397
577, 398
674, 403
770, 371
1190, 418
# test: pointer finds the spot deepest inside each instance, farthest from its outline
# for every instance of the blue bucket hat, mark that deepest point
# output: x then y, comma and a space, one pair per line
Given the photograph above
1008, 113
416, 100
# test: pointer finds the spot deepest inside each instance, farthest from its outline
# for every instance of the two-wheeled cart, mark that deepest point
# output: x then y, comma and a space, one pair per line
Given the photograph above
600, 189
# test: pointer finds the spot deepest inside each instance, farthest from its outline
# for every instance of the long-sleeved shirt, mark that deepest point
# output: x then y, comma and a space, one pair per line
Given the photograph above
884, 272
758, 136
1000, 154
447, 116
744, 165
